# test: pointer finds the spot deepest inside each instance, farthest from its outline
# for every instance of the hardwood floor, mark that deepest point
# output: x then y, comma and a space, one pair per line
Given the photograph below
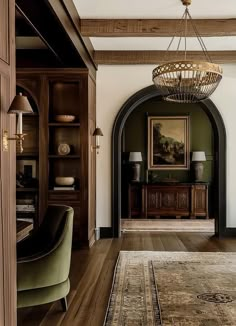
92, 273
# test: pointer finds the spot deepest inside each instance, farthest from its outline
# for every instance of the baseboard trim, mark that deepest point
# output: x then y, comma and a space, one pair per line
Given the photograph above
106, 232
229, 232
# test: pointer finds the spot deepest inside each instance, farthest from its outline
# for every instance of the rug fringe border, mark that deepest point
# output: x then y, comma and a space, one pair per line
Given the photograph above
112, 287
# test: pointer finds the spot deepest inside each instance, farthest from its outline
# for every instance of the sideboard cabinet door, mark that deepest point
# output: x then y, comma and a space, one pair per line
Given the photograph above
199, 200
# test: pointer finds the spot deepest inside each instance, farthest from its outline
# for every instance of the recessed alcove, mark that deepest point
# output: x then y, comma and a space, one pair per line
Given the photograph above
135, 139
206, 117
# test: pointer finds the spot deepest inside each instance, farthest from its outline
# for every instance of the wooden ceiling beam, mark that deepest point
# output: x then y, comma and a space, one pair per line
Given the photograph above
154, 57
154, 27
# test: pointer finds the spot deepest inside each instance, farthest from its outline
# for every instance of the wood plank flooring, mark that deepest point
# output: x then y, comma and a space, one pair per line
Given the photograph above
92, 273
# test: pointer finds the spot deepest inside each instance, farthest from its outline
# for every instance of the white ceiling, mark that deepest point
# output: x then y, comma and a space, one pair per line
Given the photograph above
156, 9
160, 43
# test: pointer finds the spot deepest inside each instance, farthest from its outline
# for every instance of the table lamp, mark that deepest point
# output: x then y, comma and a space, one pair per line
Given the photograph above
135, 158
197, 159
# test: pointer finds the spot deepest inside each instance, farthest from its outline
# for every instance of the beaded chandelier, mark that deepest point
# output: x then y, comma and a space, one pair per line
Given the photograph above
183, 80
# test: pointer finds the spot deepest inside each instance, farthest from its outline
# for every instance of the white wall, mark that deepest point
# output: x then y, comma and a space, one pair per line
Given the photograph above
115, 84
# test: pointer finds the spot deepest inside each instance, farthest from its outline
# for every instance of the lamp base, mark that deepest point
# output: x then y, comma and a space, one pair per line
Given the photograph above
198, 171
136, 172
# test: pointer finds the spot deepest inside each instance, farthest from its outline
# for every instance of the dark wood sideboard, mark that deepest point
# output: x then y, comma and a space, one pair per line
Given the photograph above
179, 200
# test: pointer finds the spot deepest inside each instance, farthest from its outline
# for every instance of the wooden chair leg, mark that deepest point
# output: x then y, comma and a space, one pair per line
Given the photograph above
64, 304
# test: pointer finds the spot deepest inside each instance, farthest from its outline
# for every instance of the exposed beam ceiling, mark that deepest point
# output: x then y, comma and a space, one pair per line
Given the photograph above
155, 57
154, 27
43, 21
68, 16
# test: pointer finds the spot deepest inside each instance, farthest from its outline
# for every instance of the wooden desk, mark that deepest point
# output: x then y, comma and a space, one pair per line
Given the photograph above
23, 229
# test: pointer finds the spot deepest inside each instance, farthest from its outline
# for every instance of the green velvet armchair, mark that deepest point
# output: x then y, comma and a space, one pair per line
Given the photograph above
43, 260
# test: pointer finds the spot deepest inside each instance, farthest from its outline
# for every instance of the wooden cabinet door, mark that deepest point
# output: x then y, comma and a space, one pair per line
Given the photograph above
135, 200
200, 200
168, 199
153, 199
182, 202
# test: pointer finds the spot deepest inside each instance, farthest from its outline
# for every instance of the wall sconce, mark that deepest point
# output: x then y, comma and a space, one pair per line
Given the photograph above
97, 133
19, 105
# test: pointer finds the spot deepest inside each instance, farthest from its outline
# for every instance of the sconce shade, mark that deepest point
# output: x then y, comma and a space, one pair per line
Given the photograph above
20, 104
198, 157
97, 132
135, 157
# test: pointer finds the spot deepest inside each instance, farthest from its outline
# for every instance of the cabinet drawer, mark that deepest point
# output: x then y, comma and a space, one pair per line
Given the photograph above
63, 196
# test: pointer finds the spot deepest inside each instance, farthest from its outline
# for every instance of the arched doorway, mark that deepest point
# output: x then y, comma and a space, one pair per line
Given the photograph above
219, 149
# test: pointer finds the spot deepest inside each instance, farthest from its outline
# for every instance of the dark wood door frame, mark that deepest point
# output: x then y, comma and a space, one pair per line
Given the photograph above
219, 169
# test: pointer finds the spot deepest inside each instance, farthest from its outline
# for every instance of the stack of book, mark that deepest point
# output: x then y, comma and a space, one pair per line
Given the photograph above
25, 210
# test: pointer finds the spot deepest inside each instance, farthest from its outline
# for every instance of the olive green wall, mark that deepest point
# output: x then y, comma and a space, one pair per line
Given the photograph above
201, 136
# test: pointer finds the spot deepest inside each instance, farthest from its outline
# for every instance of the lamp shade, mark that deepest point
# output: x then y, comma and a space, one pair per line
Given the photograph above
198, 157
97, 132
135, 157
20, 104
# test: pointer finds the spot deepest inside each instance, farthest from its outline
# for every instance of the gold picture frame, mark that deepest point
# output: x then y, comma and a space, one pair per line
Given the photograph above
168, 143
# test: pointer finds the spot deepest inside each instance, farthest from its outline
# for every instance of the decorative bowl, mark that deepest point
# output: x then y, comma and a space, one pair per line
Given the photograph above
64, 181
64, 118
63, 149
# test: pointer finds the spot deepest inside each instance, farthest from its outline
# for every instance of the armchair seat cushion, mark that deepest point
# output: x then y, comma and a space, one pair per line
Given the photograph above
43, 295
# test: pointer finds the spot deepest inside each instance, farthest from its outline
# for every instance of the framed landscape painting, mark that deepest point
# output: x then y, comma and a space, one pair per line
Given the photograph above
168, 143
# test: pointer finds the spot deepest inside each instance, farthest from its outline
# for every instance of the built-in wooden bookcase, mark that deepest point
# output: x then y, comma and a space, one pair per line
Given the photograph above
65, 92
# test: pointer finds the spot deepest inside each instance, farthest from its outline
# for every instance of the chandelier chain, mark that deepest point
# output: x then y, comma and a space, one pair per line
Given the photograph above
200, 40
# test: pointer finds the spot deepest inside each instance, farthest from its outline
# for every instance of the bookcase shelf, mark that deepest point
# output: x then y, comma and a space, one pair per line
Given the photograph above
63, 124
27, 189
64, 156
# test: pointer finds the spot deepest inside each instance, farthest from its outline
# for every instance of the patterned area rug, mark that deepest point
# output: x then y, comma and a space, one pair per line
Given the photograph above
173, 288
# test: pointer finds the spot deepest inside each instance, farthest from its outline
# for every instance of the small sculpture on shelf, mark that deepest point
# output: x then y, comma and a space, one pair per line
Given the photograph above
25, 181
63, 149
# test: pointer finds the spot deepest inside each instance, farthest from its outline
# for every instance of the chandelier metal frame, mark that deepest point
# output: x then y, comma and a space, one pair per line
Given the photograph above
183, 80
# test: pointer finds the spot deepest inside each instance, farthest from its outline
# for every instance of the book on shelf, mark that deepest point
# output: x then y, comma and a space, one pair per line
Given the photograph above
30, 220
25, 208
24, 201
64, 188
